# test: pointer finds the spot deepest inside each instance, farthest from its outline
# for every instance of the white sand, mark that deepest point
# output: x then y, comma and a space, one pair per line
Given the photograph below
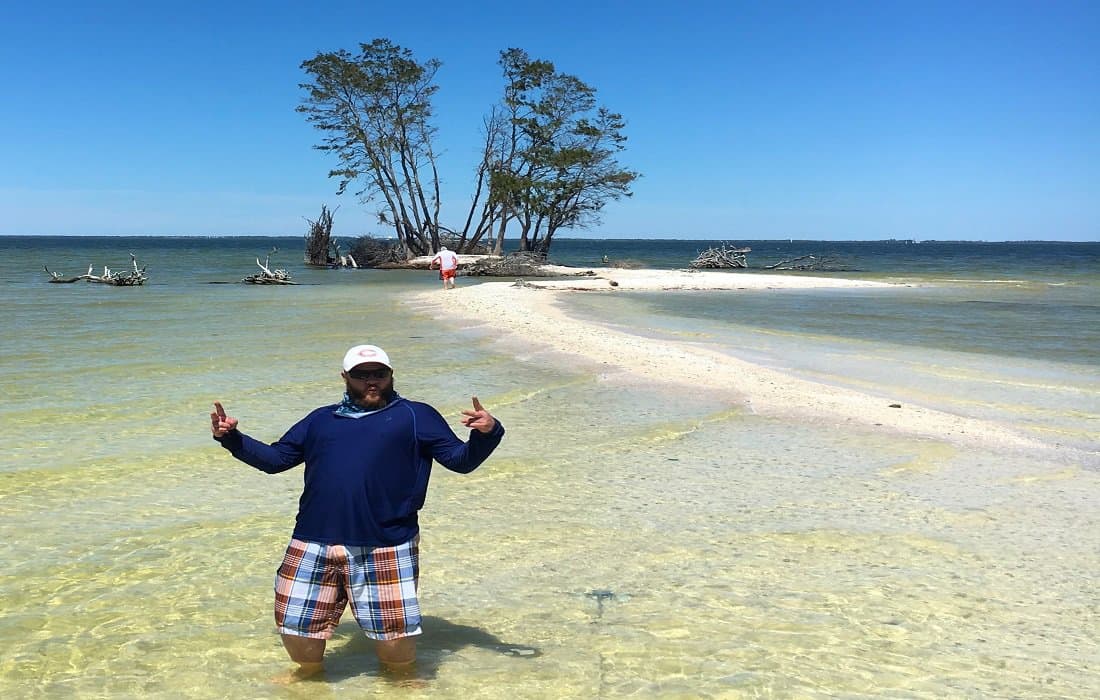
530, 312
597, 278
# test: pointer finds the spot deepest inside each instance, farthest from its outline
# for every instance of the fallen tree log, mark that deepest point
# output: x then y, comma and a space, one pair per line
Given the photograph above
57, 278
132, 278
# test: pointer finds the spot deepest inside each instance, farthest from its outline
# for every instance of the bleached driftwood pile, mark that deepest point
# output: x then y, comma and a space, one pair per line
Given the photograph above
130, 278
268, 276
807, 262
724, 256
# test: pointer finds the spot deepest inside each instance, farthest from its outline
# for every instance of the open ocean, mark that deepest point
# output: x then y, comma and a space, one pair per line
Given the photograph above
625, 540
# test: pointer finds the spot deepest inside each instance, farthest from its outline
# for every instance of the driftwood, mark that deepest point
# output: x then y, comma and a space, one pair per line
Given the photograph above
557, 284
131, 278
808, 262
267, 275
524, 264
514, 265
378, 252
724, 256
624, 264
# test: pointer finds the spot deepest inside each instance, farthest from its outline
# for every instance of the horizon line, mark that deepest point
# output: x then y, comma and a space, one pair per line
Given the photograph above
910, 241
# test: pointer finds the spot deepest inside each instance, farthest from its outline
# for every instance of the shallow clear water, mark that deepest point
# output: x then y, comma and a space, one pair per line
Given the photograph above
627, 538
934, 346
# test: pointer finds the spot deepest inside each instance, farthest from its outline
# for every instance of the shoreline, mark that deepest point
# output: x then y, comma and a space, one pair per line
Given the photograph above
528, 311
625, 279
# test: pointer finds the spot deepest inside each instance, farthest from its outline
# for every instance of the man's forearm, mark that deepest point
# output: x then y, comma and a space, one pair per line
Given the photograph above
271, 459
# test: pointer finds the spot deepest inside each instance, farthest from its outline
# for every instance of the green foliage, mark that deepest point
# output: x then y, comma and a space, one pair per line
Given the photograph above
375, 111
555, 161
549, 160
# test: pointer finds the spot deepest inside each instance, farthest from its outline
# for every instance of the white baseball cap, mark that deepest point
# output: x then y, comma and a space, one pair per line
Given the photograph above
365, 353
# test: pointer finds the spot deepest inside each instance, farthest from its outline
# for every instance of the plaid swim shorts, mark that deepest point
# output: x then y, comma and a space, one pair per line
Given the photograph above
316, 581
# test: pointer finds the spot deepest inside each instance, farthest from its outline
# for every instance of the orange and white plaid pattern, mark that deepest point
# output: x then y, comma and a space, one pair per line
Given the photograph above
317, 581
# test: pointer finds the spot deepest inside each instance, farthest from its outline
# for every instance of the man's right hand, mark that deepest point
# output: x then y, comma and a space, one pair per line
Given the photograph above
220, 424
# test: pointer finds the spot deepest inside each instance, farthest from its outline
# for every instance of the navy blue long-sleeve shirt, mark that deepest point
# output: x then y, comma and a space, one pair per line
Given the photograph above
365, 478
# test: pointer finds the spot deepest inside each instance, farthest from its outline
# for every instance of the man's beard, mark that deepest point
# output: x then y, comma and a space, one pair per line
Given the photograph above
371, 400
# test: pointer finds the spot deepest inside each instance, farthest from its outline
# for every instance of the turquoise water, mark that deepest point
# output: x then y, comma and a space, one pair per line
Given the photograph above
629, 538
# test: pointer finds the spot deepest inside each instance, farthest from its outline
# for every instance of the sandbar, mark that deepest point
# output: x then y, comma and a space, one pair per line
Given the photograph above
625, 279
528, 310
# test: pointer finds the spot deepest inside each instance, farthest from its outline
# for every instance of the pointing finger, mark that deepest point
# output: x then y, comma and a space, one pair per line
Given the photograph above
219, 410
477, 405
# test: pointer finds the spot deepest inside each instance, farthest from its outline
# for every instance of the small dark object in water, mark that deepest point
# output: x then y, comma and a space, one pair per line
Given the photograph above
600, 595
895, 405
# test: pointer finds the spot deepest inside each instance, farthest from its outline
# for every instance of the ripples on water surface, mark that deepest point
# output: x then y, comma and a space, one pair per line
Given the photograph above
626, 539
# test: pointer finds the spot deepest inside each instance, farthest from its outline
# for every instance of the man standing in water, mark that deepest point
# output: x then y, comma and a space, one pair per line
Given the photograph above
368, 459
447, 262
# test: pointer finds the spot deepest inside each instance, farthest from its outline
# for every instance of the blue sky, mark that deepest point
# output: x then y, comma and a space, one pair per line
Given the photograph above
747, 120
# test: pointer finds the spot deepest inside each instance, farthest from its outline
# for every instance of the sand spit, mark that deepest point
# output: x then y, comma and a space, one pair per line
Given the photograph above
658, 280
530, 311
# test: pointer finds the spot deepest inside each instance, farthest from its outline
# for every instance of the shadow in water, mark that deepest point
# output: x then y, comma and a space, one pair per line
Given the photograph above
440, 640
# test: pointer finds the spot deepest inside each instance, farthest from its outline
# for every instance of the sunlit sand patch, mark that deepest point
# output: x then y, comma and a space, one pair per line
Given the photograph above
1060, 475
931, 457
970, 519
517, 397
670, 432
1064, 432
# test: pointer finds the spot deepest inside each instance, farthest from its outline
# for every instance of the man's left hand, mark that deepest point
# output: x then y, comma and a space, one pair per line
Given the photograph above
479, 419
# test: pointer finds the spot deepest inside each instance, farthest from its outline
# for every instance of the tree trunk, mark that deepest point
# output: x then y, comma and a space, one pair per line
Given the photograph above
498, 246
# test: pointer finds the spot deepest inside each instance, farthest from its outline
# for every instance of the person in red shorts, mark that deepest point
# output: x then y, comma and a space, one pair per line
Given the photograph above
447, 262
